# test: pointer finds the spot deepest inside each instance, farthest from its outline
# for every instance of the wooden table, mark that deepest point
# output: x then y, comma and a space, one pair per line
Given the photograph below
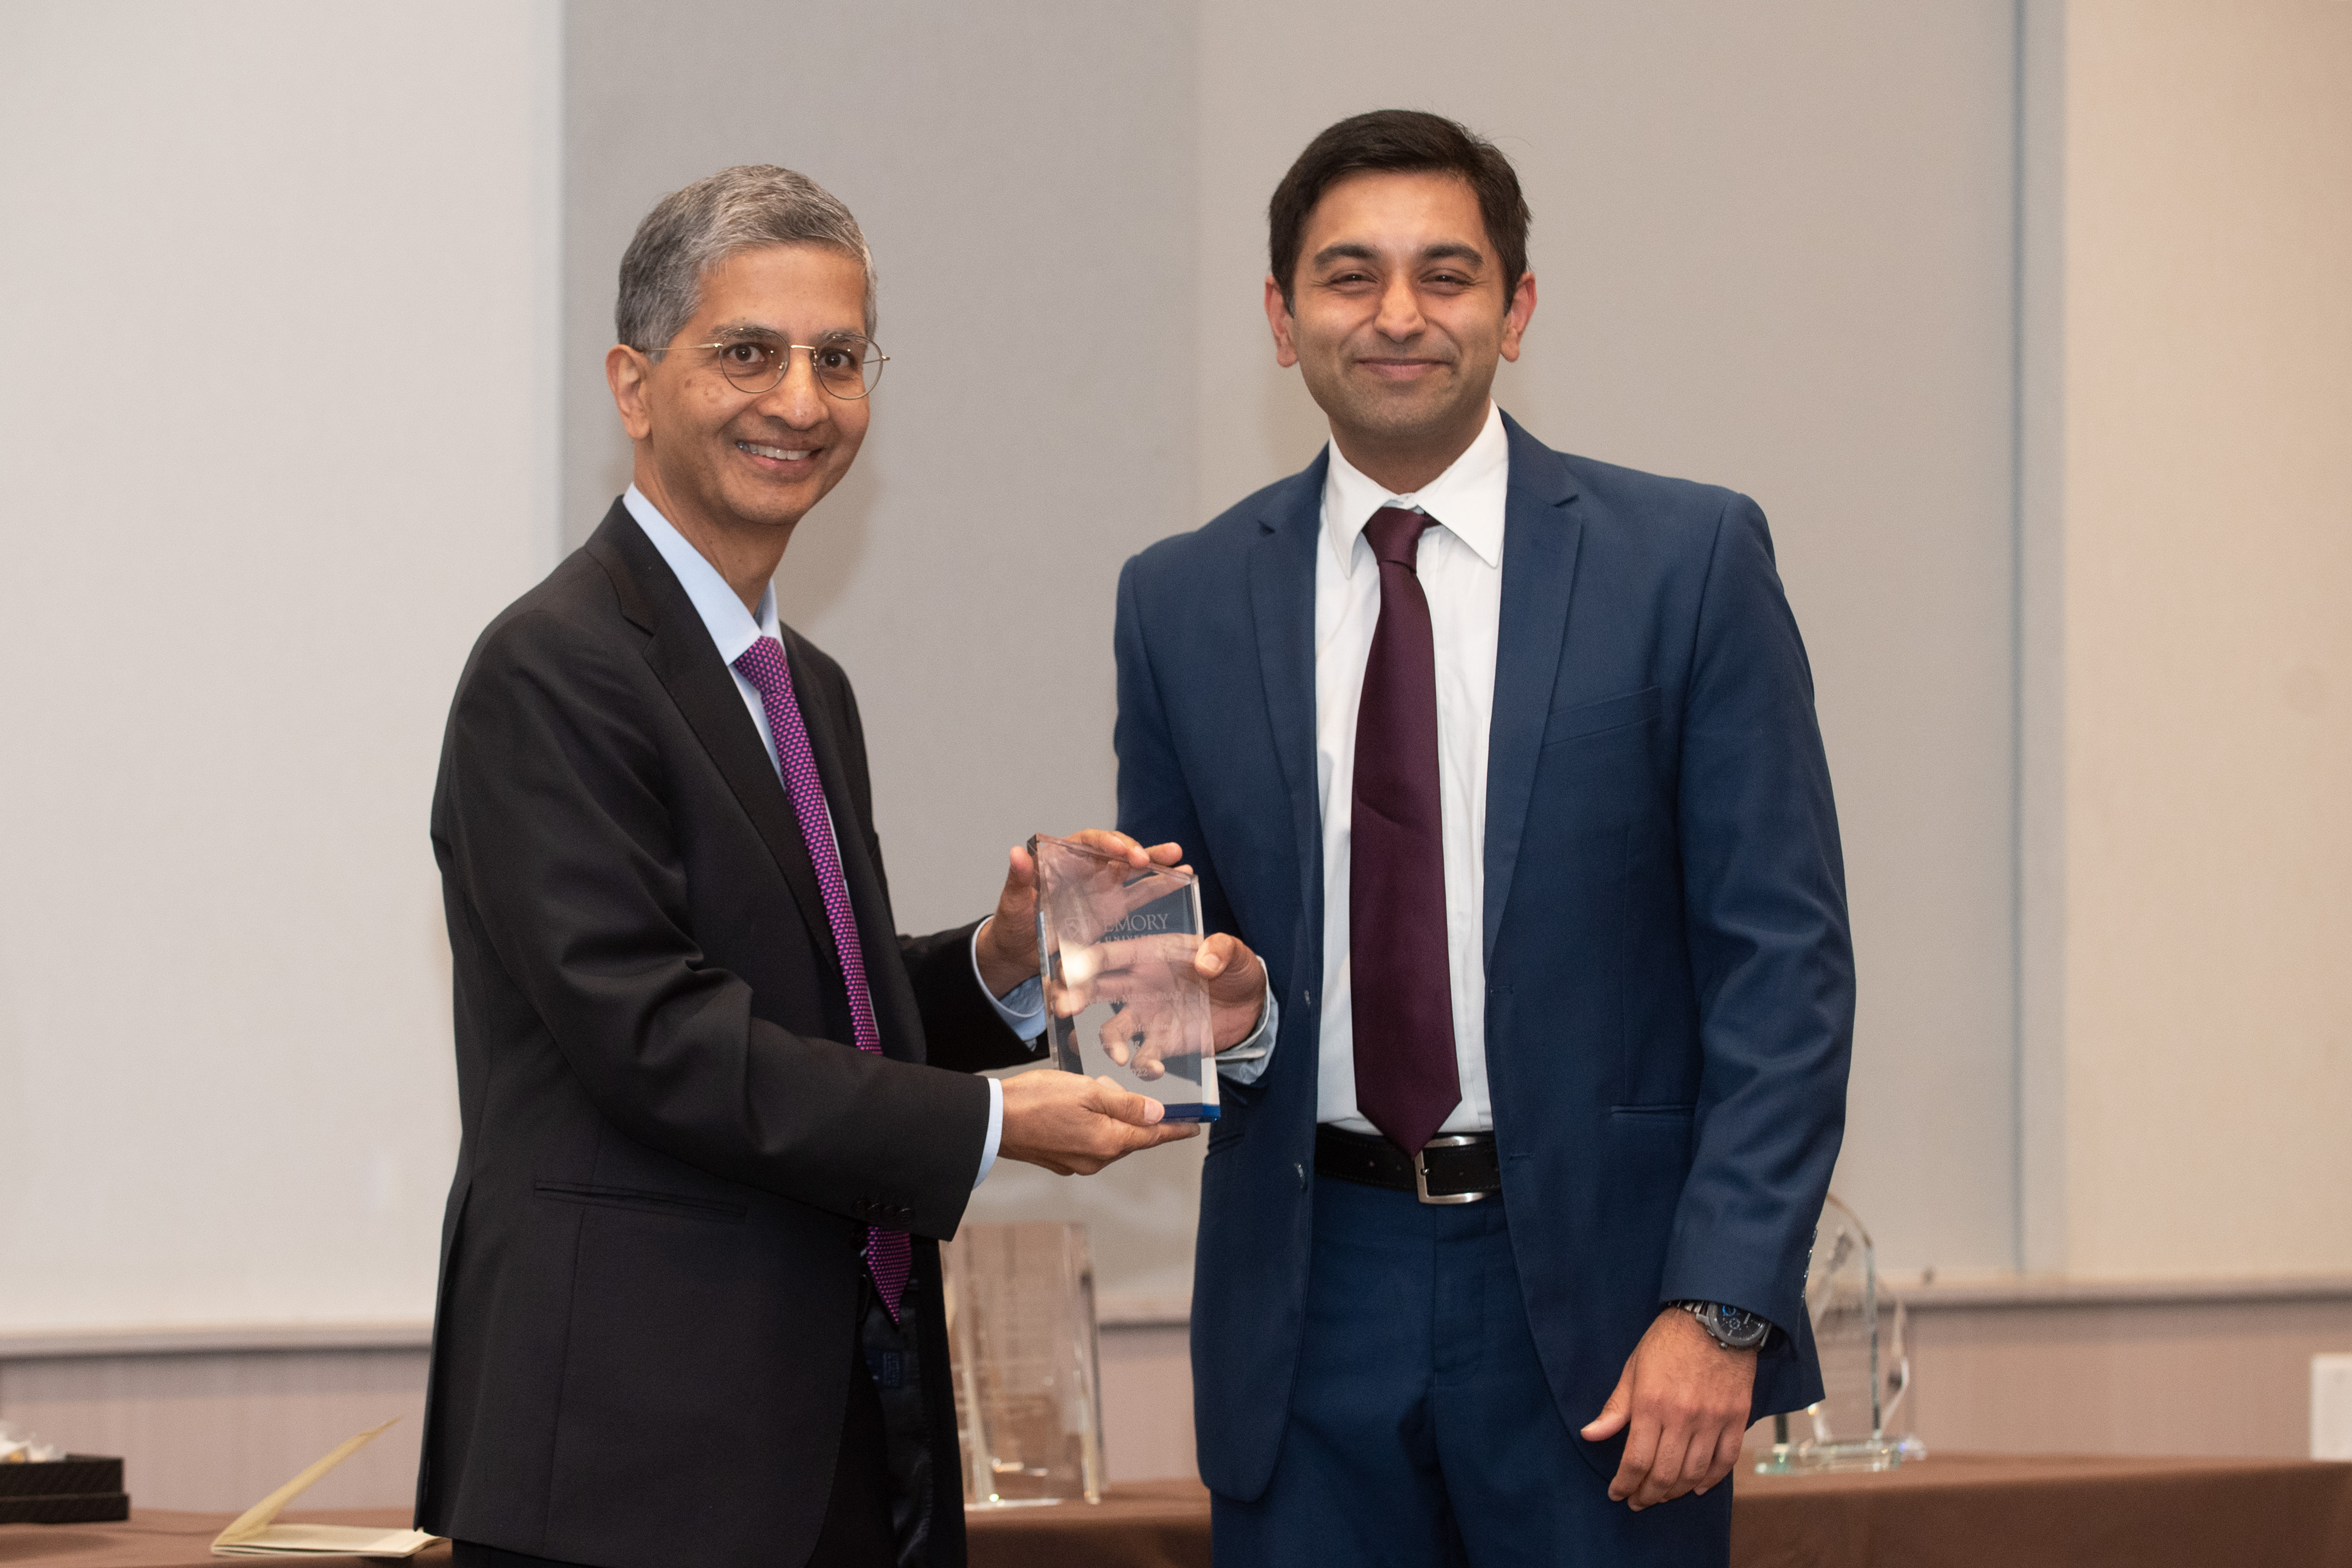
1981, 1510
1978, 1511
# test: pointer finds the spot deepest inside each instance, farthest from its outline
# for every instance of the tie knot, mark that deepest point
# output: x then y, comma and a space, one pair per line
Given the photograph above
763, 666
1395, 533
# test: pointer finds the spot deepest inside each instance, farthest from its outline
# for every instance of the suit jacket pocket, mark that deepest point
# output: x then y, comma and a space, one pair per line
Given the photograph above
674, 1204
1682, 1112
1588, 719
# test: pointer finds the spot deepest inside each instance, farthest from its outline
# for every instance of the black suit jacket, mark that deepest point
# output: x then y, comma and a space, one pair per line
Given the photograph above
650, 1258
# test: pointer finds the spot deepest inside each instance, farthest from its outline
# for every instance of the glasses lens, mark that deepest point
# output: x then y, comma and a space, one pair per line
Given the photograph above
849, 366
751, 366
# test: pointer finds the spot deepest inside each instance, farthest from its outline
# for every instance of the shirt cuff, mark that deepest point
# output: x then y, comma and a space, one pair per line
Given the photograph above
1247, 1062
1022, 1008
996, 1130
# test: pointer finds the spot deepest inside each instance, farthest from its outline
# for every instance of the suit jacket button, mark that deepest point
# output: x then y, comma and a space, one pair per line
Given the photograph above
1302, 1175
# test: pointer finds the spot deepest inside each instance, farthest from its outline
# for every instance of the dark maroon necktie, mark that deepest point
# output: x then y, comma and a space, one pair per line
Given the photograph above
889, 1256
1403, 995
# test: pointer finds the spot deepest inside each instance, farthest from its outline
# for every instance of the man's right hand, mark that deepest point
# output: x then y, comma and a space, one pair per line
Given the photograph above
1074, 1126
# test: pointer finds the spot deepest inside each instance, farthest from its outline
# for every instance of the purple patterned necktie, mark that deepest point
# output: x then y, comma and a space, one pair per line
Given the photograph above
1398, 967
889, 1256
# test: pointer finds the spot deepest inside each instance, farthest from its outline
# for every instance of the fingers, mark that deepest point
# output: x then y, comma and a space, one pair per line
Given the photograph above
1125, 1140
1073, 1125
1634, 1466
1221, 952
1110, 841
1683, 1403
1693, 1454
1726, 1455
1665, 1482
1124, 1105
1611, 1419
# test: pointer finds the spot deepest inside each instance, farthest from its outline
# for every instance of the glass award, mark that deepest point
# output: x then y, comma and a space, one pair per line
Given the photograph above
1865, 1372
1122, 1000
1028, 1381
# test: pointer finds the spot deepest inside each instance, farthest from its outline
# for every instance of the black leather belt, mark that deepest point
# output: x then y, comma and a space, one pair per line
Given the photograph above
1456, 1168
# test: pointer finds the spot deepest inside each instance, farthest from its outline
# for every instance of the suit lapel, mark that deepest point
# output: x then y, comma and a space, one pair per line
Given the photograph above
1540, 535
686, 663
1282, 603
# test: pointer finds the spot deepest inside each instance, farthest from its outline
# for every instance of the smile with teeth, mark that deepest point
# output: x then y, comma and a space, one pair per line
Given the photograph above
778, 453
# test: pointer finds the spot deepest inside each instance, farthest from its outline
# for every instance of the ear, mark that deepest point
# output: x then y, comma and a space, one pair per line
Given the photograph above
1516, 318
1277, 316
626, 370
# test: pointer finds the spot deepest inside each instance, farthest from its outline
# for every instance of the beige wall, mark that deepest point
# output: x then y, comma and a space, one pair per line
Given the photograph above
279, 441
1777, 251
2206, 651
1774, 250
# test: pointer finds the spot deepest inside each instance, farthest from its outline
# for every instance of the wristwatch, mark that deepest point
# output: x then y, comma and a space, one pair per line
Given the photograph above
1732, 1328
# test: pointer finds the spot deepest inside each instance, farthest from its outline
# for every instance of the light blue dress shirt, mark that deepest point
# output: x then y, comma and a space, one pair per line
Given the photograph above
733, 629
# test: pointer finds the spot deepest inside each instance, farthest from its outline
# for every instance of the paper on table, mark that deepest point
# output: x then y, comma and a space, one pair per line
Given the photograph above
254, 1535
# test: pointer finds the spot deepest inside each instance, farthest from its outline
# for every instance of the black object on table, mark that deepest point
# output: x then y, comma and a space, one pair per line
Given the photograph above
80, 1488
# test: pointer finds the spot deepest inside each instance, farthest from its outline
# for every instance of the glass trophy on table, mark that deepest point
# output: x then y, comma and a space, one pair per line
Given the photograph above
1116, 944
1865, 1372
1028, 1383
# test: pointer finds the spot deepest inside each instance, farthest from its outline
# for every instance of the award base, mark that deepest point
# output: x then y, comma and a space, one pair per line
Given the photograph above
1864, 1378
1857, 1453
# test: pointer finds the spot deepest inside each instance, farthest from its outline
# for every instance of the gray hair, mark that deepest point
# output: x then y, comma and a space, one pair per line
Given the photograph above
691, 231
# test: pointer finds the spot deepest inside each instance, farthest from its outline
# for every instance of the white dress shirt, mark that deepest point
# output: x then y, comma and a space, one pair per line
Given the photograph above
733, 629
1460, 562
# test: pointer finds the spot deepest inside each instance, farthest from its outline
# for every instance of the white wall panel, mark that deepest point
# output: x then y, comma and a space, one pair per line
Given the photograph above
1774, 250
275, 448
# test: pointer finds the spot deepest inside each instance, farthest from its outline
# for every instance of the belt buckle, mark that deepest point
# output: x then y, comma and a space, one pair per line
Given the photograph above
1420, 1171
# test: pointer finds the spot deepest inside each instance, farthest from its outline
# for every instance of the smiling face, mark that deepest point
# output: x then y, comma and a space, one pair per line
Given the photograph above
721, 461
1398, 318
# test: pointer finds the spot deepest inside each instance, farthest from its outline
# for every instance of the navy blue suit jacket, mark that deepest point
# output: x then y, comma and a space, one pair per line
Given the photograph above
1669, 979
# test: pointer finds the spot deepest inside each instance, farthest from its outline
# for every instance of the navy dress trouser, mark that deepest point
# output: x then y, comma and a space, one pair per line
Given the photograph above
1421, 1428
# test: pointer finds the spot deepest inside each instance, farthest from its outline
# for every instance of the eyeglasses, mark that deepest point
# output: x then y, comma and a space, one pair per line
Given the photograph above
846, 366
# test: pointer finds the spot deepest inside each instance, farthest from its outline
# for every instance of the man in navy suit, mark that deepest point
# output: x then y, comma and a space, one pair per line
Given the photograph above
1506, 762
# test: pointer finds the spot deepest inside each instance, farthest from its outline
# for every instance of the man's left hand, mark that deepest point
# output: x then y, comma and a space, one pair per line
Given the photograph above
1008, 942
1683, 1403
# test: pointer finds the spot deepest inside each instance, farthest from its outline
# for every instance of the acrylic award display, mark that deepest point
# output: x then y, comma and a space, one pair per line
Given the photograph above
1865, 1371
1115, 946
1020, 1342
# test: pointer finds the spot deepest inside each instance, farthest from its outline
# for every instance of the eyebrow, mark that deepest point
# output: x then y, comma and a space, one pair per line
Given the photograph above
760, 331
1354, 250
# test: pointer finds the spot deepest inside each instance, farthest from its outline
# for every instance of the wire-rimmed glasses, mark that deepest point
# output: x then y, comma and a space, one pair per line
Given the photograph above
846, 366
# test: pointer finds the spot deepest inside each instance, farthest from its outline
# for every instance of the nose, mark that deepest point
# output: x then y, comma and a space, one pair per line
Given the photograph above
1399, 319
797, 399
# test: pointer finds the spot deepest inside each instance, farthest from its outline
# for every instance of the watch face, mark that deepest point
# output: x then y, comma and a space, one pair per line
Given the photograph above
1738, 1329
1730, 1326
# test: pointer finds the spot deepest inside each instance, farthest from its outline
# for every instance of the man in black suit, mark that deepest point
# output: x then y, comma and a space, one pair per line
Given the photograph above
716, 1112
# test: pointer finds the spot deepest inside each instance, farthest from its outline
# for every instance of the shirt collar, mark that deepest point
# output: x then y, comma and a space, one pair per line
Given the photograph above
1467, 499
731, 626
